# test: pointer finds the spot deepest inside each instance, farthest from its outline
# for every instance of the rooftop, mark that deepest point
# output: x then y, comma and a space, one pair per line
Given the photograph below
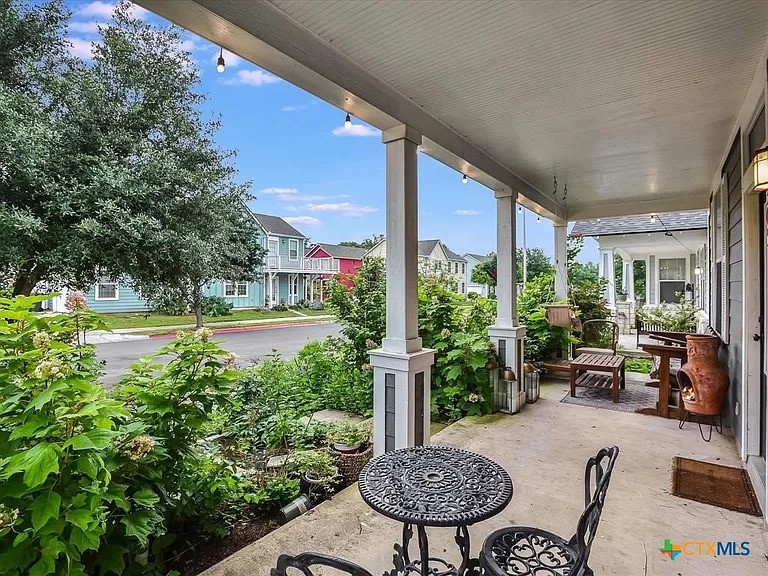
277, 226
667, 221
339, 251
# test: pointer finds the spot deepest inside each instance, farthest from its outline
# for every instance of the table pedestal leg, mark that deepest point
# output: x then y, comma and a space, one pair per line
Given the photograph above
404, 565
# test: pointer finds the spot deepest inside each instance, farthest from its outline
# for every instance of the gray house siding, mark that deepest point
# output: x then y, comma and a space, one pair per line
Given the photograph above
731, 354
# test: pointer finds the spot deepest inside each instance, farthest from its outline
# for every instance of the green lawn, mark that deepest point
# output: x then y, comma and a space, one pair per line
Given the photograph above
141, 320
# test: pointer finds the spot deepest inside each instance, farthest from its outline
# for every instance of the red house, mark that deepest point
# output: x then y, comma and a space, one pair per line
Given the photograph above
342, 260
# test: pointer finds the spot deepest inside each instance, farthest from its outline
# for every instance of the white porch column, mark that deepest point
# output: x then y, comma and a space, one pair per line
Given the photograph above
561, 262
607, 271
506, 335
628, 279
401, 368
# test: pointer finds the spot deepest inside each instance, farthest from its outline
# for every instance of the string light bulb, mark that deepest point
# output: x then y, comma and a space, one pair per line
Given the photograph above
220, 64
538, 219
519, 209
697, 270
347, 121
653, 219
463, 178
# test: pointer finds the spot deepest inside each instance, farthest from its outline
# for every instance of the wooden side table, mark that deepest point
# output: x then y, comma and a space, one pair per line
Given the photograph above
583, 369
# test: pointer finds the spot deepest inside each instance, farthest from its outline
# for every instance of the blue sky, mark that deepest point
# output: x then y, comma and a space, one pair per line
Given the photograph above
306, 167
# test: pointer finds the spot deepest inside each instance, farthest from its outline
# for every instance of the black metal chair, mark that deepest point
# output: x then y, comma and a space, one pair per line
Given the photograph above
304, 561
527, 551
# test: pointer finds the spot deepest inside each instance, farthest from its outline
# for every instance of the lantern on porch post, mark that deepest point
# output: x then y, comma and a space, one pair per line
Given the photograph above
760, 167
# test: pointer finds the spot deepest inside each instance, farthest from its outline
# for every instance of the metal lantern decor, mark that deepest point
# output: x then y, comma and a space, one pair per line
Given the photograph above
531, 379
760, 163
507, 396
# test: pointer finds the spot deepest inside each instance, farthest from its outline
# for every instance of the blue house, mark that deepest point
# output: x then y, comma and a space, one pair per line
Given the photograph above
285, 277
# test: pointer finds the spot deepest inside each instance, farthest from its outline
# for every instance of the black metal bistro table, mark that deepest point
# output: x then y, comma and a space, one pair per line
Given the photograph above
434, 486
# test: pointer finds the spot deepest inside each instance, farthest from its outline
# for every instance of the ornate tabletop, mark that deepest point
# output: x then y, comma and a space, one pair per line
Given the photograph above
435, 486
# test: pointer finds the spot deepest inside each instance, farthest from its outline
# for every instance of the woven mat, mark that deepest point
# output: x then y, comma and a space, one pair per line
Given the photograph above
635, 396
714, 484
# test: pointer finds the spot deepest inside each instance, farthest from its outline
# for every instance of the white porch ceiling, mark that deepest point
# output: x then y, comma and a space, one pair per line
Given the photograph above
629, 103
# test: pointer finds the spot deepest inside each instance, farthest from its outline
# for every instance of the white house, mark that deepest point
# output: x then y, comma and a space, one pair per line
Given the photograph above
472, 261
435, 259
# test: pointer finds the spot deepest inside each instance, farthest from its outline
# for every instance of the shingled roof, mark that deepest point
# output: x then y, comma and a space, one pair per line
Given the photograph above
427, 246
277, 226
339, 251
672, 221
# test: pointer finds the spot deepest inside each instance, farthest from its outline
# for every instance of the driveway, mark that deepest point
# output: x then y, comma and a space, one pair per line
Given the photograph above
250, 346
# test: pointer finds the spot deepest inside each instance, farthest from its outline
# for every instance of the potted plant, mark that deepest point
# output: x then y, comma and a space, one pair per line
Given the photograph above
348, 438
315, 468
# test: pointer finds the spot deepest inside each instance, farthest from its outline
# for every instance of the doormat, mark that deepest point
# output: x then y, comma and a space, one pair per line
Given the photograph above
714, 484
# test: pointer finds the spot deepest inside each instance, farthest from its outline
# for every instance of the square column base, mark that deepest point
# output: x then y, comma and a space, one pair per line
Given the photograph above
401, 398
508, 341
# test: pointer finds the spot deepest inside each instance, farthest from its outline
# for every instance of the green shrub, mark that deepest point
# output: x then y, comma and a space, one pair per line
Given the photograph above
217, 306
642, 365
587, 296
680, 317
542, 340
280, 308
170, 303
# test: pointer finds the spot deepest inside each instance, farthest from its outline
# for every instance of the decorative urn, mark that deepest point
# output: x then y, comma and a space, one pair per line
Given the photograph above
703, 381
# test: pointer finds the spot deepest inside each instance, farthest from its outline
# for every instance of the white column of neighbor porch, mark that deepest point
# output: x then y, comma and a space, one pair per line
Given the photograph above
401, 367
607, 271
561, 261
628, 279
506, 334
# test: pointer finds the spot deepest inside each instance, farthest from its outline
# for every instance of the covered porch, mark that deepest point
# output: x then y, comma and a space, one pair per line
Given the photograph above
544, 449
578, 110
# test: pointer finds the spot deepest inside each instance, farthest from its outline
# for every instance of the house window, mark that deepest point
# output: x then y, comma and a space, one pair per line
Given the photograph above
463, 268
293, 249
236, 289
107, 290
273, 247
462, 288
456, 267
671, 279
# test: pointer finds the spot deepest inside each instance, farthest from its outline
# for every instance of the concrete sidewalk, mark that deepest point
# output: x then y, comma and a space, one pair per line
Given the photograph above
234, 323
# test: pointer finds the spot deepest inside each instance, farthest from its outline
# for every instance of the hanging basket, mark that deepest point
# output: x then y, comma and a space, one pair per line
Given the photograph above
560, 315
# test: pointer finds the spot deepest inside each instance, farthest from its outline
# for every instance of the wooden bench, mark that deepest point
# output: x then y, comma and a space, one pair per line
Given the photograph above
583, 375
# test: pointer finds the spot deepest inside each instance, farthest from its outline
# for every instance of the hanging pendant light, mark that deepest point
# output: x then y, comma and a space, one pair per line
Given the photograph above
463, 178
760, 163
347, 121
220, 64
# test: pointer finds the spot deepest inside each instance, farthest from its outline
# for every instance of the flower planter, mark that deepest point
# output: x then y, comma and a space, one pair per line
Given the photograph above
344, 449
349, 465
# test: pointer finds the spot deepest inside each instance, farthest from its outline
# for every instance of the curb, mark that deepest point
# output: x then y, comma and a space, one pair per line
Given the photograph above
252, 328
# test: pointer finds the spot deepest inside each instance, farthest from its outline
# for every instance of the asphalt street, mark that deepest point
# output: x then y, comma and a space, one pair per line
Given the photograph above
249, 346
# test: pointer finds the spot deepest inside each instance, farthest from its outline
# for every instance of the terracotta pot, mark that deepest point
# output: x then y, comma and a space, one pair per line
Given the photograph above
703, 382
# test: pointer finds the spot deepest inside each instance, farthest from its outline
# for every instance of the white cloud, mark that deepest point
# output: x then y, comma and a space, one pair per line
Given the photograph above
468, 212
291, 208
107, 9
80, 48
281, 191
303, 220
310, 197
343, 208
356, 130
252, 78
296, 108
85, 27
231, 60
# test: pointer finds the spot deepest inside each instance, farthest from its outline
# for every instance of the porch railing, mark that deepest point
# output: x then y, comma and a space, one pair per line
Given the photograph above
330, 265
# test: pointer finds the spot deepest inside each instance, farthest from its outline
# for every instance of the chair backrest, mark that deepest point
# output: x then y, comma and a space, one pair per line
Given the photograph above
303, 563
597, 476
600, 334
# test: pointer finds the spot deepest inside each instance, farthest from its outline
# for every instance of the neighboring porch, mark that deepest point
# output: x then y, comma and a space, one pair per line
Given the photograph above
544, 449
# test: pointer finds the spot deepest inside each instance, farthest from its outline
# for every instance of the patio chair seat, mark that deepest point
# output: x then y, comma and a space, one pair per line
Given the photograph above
588, 350
525, 550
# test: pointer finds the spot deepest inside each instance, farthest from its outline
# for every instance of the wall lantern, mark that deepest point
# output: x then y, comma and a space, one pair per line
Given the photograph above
760, 162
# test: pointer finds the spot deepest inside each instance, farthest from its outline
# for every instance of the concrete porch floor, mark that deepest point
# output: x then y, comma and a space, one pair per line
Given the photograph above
544, 449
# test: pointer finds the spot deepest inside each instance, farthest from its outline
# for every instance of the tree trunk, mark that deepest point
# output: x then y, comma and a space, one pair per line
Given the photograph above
25, 282
197, 299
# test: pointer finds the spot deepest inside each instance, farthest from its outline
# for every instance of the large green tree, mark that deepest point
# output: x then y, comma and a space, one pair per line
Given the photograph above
109, 167
368, 243
537, 264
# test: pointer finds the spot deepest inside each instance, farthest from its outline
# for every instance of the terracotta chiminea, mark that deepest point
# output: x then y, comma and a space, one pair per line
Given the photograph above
703, 382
